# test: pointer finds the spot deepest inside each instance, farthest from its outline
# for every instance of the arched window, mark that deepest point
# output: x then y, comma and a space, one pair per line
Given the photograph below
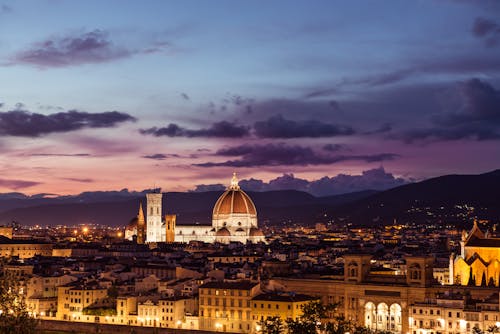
370, 315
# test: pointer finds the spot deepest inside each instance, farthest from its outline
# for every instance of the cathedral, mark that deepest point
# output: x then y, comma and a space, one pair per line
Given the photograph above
234, 218
479, 260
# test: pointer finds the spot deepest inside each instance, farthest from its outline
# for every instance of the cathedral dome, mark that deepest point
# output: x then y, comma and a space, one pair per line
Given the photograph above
234, 201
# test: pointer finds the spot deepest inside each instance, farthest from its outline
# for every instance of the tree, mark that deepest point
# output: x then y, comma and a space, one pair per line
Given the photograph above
272, 325
476, 330
14, 316
316, 319
493, 329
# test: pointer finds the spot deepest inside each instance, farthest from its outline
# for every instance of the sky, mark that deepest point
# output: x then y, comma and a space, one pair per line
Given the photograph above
323, 96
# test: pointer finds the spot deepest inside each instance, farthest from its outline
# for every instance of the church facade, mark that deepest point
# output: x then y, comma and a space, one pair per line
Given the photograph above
234, 219
479, 261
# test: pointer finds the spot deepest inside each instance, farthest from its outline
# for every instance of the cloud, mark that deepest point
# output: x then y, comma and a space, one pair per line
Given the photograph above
279, 127
22, 123
74, 179
222, 129
17, 184
5, 9
282, 154
373, 179
60, 155
333, 147
488, 30
477, 115
209, 187
160, 156
386, 127
81, 48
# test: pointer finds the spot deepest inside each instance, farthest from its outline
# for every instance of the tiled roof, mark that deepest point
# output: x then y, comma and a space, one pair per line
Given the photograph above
242, 285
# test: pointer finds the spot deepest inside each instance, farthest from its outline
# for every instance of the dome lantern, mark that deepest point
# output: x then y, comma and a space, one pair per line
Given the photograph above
234, 183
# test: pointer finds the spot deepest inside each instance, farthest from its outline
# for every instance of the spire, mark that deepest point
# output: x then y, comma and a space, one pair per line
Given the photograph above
141, 230
140, 215
234, 183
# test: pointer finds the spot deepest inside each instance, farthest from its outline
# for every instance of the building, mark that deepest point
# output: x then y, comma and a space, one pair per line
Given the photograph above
6, 231
283, 305
41, 293
451, 312
23, 248
227, 306
74, 298
234, 218
479, 260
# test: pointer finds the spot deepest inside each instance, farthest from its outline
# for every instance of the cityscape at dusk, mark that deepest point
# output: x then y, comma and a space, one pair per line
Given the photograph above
141, 94
251, 167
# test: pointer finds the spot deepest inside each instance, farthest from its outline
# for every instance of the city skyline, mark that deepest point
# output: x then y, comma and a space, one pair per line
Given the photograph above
103, 96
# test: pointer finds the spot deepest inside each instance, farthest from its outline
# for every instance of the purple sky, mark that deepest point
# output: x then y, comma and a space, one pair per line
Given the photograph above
323, 96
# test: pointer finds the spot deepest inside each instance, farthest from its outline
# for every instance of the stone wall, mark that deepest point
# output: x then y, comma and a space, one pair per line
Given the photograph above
89, 328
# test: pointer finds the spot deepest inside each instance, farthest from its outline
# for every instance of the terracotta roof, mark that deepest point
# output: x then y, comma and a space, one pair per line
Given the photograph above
478, 242
289, 297
241, 285
234, 201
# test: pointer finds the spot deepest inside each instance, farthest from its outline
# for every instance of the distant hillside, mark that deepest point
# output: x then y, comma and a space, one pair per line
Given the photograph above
191, 207
440, 194
437, 199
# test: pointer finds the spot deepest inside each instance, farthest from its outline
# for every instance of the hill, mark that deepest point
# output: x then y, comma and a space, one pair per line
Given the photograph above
190, 207
450, 198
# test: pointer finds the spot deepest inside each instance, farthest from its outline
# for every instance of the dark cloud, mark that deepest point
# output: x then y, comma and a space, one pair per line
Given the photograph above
5, 9
26, 124
488, 30
373, 179
333, 147
477, 116
322, 92
282, 154
480, 101
60, 155
74, 179
81, 48
209, 187
160, 156
222, 129
237, 100
386, 127
17, 184
279, 127
90, 47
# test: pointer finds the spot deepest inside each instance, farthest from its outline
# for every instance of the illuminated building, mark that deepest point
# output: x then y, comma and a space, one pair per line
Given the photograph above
479, 260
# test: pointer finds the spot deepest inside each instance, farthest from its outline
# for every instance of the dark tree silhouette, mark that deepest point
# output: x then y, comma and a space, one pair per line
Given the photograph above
14, 316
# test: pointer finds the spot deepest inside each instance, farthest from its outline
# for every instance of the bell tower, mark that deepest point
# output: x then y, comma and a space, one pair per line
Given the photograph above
153, 216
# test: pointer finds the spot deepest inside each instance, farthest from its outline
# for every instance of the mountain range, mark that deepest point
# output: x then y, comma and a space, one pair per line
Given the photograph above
443, 198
